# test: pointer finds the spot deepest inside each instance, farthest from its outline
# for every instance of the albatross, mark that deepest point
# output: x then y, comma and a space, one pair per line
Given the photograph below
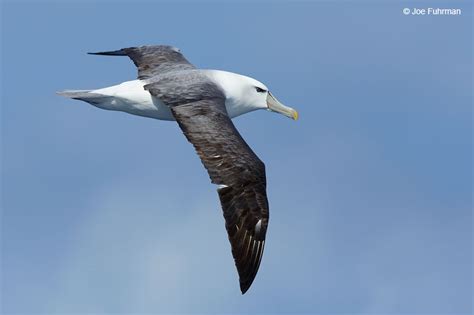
203, 102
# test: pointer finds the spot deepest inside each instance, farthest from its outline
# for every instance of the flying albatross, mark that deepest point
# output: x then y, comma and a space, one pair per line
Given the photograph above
203, 102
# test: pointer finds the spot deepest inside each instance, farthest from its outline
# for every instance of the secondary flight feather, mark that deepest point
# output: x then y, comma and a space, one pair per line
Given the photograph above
203, 102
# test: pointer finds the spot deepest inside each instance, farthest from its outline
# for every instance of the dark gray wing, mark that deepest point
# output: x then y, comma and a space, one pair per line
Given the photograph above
199, 108
231, 163
152, 60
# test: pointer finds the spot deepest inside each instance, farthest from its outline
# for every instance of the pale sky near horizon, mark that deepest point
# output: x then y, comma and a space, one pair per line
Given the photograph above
370, 191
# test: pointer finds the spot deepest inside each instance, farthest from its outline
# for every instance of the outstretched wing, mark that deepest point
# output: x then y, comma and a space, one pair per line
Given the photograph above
152, 60
240, 174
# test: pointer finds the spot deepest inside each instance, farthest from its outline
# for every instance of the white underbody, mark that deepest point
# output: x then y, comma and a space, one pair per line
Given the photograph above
131, 97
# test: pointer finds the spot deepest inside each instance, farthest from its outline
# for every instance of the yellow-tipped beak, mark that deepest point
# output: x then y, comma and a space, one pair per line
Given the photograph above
275, 106
295, 115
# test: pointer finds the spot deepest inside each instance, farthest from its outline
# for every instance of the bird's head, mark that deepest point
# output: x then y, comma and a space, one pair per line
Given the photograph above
245, 94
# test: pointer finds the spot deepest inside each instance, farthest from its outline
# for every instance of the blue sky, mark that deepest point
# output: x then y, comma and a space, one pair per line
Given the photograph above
370, 191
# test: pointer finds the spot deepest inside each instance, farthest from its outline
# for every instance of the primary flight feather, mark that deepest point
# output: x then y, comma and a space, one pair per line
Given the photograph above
203, 102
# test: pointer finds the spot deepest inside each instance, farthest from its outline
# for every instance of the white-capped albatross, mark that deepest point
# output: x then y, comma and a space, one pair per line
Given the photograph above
203, 103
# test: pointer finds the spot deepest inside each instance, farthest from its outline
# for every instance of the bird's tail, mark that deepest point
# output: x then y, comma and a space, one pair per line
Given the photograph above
84, 95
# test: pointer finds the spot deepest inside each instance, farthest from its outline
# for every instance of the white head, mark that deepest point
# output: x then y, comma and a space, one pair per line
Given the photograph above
244, 94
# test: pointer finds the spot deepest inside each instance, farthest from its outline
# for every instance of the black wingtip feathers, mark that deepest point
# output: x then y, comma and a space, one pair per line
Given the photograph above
120, 52
244, 288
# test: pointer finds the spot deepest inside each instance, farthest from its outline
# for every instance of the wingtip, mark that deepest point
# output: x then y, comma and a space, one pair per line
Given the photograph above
244, 287
97, 52
119, 52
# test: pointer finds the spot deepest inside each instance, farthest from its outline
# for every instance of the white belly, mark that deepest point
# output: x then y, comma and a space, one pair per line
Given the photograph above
132, 98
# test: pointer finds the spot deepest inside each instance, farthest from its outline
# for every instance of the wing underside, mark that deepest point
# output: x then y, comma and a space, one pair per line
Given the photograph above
232, 164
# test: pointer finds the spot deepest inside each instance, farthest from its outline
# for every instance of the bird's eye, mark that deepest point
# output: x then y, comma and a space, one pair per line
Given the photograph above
259, 90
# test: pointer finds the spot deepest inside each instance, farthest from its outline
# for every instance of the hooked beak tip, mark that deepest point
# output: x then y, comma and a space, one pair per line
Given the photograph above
295, 115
